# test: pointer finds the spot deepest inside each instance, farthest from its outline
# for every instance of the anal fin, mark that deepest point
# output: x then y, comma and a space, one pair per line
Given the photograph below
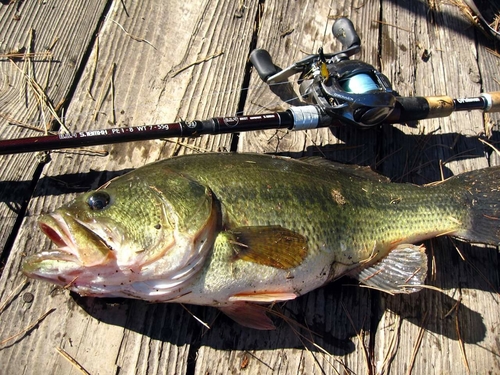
403, 270
249, 315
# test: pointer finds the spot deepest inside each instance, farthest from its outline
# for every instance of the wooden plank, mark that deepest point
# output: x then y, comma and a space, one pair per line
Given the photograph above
156, 42
310, 23
54, 39
115, 336
407, 154
456, 324
290, 31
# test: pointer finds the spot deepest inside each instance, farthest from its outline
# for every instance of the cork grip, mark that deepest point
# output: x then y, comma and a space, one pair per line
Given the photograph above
440, 106
494, 99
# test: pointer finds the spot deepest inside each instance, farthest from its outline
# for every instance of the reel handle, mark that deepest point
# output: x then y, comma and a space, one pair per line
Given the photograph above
344, 31
263, 63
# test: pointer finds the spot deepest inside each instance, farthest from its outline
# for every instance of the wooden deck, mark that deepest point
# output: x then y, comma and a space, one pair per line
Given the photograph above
127, 63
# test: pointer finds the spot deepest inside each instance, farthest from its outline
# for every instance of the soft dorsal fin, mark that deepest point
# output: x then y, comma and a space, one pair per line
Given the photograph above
355, 170
272, 246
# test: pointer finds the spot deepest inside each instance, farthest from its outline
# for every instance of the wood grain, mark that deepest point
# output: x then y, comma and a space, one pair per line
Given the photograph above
158, 62
25, 28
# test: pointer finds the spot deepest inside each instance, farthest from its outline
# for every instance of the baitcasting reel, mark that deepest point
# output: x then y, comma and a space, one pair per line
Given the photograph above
350, 91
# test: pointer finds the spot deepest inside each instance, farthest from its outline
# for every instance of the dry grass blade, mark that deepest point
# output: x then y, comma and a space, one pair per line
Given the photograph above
259, 360
391, 25
483, 276
133, 36
41, 97
194, 316
205, 59
47, 55
27, 329
93, 68
460, 341
187, 145
72, 361
101, 97
423, 286
493, 52
13, 121
12, 295
490, 145
293, 324
300, 336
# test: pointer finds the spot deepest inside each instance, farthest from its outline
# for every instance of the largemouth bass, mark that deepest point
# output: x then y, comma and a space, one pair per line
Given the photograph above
236, 231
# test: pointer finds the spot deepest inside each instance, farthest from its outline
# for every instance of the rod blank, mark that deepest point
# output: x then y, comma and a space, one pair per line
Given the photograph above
297, 118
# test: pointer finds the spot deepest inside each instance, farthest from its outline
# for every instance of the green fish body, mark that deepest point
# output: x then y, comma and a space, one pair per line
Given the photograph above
235, 231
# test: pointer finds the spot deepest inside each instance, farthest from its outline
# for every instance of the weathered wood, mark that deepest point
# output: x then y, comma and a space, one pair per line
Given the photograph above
51, 47
456, 323
156, 42
140, 72
289, 32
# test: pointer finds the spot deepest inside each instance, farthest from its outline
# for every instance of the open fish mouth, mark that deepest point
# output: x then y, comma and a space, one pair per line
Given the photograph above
77, 247
56, 229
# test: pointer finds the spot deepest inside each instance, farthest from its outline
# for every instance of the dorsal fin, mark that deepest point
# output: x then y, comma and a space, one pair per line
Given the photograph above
355, 170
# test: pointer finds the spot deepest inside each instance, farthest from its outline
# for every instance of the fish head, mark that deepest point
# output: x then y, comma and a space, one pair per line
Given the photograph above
137, 228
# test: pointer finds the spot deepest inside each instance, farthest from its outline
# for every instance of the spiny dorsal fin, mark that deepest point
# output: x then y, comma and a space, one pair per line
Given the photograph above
272, 246
355, 170
403, 270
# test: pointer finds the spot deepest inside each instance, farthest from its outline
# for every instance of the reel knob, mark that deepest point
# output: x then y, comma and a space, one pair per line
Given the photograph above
343, 30
263, 63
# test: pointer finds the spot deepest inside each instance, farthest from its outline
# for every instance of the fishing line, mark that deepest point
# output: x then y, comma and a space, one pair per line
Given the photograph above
334, 91
39, 125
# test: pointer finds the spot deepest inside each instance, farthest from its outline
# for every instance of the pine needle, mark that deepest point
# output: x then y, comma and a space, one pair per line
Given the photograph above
461, 343
42, 98
393, 347
28, 329
104, 88
369, 367
490, 145
391, 25
73, 361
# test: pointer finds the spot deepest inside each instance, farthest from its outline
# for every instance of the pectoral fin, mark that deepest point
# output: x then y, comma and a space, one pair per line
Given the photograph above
263, 297
403, 270
249, 315
272, 246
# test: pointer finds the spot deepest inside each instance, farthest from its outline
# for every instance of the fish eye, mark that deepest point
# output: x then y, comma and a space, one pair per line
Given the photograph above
98, 200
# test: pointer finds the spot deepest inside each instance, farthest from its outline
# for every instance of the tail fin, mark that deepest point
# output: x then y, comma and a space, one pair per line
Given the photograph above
480, 191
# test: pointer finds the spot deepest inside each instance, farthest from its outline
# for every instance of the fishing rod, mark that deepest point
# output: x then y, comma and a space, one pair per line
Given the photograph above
340, 91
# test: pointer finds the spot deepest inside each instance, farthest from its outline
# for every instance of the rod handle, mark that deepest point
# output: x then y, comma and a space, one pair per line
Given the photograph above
418, 108
493, 99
